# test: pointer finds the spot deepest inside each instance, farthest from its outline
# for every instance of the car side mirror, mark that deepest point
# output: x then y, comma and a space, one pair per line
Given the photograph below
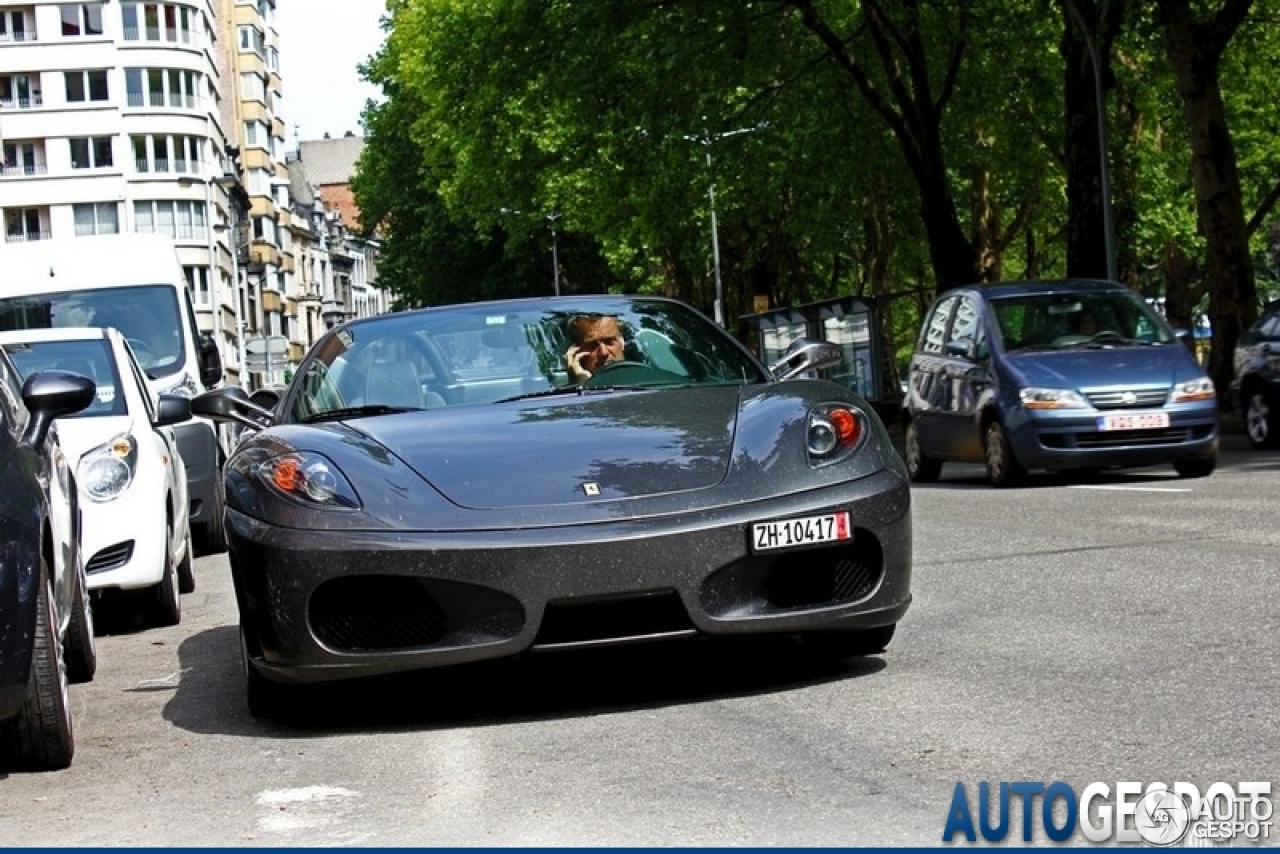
806, 354
209, 359
231, 405
965, 348
50, 394
172, 409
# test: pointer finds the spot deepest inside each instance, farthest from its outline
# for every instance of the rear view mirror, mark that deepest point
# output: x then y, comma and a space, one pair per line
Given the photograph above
209, 360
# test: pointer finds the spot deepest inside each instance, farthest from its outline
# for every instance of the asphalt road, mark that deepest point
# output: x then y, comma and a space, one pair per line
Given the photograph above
1122, 629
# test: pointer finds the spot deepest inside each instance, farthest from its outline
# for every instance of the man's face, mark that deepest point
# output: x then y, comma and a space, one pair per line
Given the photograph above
601, 340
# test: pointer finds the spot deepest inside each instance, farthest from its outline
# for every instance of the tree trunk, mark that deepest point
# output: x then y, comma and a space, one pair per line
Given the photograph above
1086, 203
1194, 50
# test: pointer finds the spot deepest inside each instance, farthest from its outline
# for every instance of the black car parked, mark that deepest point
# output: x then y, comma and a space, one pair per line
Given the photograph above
46, 625
1256, 386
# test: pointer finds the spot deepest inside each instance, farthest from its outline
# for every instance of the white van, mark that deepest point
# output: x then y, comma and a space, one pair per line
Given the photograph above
134, 283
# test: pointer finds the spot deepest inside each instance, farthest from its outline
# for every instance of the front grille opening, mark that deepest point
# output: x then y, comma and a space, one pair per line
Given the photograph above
799, 580
365, 613
371, 613
773, 583
111, 557
634, 615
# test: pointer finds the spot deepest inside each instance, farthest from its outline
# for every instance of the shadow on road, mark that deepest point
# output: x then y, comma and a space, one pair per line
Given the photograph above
210, 698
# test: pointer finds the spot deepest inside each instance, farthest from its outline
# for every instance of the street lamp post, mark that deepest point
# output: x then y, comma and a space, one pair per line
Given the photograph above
555, 251
1108, 220
555, 247
706, 139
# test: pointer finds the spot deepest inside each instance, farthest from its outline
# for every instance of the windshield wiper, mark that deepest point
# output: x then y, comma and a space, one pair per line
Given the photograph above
358, 412
580, 390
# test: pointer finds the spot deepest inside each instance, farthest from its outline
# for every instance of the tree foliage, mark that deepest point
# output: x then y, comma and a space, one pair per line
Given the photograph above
877, 147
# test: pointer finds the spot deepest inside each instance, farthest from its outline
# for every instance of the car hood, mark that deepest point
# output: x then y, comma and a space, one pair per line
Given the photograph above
566, 450
1128, 367
78, 436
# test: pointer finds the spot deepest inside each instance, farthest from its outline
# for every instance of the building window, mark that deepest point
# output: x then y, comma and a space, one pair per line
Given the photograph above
92, 152
20, 159
179, 154
13, 26
180, 220
20, 90
81, 19
86, 85
96, 218
22, 224
198, 283
157, 22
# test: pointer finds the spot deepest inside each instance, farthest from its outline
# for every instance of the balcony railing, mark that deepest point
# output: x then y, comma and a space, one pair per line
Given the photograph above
22, 103
18, 37
26, 236
25, 169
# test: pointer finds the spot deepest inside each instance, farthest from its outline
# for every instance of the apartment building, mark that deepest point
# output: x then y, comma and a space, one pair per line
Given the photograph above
119, 116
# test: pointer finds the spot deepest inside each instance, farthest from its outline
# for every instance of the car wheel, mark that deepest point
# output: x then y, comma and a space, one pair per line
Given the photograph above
81, 649
1003, 469
266, 699
1196, 468
186, 574
40, 737
165, 607
1261, 421
848, 643
213, 534
919, 467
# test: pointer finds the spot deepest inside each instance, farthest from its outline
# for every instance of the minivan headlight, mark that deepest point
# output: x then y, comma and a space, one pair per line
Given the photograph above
1052, 398
1197, 389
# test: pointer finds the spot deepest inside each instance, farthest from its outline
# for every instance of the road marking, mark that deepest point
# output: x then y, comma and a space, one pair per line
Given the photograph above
1128, 488
307, 808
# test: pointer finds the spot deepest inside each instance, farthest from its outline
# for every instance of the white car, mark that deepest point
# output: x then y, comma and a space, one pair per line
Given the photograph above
135, 535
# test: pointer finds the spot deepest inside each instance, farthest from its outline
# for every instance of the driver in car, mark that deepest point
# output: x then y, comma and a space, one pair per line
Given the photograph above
597, 342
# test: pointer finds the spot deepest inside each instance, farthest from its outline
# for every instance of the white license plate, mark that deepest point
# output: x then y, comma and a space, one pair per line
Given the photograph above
806, 531
1134, 421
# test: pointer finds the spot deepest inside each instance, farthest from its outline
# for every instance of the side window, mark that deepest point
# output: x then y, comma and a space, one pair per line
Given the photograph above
1269, 327
933, 335
12, 412
968, 326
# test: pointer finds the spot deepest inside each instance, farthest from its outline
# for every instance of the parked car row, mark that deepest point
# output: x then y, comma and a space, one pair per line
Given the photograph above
1256, 388
94, 506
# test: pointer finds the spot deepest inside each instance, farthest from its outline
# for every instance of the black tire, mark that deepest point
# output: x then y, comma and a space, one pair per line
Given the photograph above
1261, 419
164, 603
186, 573
1003, 468
213, 533
266, 699
920, 468
850, 642
1196, 468
40, 738
80, 648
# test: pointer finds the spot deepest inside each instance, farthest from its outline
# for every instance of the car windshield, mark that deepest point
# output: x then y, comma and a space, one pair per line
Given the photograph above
1085, 319
488, 352
148, 316
90, 358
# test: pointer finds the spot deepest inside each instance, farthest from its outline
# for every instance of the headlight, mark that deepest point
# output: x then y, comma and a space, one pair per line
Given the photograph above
1052, 398
833, 430
1197, 389
308, 478
107, 470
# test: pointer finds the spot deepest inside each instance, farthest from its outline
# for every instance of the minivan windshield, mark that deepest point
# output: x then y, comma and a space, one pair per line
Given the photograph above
148, 315
1056, 321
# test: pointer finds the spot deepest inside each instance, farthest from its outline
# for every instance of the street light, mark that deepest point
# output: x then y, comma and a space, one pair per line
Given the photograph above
706, 139
1108, 221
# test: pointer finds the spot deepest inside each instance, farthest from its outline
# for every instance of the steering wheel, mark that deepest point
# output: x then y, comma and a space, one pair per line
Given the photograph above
618, 369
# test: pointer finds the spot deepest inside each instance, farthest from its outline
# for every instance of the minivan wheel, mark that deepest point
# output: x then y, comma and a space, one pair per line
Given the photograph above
919, 467
1196, 468
1003, 469
1261, 420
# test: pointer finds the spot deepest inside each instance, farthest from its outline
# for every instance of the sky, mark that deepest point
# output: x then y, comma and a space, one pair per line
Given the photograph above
321, 43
